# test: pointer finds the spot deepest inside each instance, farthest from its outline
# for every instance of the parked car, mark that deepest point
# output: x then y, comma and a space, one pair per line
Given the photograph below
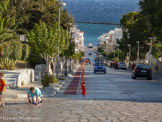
90, 45
99, 67
97, 59
143, 71
122, 65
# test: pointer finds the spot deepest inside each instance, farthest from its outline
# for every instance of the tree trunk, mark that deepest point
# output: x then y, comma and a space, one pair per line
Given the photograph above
48, 63
49, 68
54, 67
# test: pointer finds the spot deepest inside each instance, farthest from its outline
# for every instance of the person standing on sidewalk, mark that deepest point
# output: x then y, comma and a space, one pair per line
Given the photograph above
2, 88
156, 68
34, 96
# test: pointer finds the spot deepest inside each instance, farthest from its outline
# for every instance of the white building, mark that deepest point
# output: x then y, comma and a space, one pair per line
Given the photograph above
109, 40
78, 38
118, 33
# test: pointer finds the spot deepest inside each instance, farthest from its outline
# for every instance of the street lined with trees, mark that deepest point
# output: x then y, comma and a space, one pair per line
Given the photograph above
38, 20
140, 26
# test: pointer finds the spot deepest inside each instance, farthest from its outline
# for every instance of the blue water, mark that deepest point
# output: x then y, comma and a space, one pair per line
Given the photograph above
99, 11
92, 31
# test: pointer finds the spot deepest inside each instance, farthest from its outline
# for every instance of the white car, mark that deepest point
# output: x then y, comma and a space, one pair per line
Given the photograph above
122, 65
90, 45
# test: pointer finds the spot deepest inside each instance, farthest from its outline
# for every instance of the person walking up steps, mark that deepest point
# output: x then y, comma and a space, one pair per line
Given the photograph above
2, 88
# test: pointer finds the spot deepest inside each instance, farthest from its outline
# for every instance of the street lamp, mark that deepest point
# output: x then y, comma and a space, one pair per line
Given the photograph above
118, 49
68, 25
152, 39
60, 4
129, 45
138, 52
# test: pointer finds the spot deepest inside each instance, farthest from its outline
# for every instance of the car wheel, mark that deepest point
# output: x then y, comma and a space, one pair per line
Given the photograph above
105, 72
94, 72
149, 78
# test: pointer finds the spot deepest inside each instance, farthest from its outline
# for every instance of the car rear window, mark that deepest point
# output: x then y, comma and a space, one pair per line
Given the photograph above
143, 67
99, 64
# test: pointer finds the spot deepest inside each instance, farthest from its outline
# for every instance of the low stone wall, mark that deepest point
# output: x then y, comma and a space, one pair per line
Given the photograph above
39, 71
26, 76
17, 78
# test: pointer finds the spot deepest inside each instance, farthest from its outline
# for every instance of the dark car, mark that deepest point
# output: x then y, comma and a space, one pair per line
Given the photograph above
97, 59
99, 67
89, 53
143, 71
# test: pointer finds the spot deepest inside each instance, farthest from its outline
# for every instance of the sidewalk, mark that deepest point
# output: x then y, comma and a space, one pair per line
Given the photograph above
21, 92
157, 76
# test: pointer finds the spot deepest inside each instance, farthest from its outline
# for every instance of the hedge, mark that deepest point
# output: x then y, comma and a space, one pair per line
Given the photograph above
13, 50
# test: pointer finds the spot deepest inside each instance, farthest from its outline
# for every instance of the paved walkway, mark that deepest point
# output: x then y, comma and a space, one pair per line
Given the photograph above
73, 86
63, 110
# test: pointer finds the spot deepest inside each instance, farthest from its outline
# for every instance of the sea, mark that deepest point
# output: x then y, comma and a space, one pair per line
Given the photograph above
99, 11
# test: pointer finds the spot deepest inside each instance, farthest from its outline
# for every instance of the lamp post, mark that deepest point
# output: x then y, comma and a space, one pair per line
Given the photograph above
60, 4
68, 25
152, 39
138, 52
129, 45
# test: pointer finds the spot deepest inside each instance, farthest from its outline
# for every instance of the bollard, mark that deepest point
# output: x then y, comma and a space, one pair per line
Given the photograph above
82, 78
83, 89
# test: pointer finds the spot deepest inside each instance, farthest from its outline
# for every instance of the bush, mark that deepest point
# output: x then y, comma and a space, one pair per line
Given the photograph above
53, 80
48, 79
7, 64
25, 52
17, 50
13, 50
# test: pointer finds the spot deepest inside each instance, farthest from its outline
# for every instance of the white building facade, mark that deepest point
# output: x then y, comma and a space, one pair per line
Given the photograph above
109, 40
78, 37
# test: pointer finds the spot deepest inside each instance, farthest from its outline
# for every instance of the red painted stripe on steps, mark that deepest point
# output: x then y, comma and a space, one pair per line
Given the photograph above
73, 86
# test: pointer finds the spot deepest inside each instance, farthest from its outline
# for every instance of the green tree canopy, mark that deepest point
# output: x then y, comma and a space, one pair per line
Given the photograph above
47, 43
30, 12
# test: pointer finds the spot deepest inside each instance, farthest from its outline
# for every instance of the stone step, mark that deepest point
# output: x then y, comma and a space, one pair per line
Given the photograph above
9, 78
11, 75
10, 83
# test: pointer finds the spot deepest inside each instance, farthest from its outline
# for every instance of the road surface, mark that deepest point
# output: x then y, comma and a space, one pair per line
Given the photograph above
111, 97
